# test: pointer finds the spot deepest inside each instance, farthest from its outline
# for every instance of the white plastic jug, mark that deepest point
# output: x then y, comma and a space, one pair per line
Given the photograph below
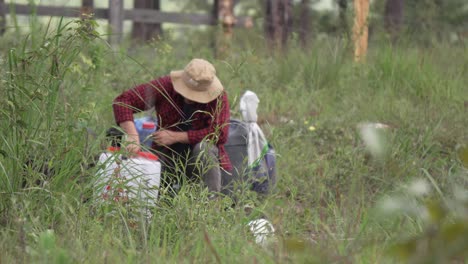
136, 179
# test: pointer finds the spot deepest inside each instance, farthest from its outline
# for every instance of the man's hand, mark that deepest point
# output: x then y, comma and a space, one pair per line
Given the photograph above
167, 137
132, 143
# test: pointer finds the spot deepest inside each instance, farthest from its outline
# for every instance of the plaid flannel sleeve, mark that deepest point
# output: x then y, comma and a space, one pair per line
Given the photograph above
218, 126
140, 98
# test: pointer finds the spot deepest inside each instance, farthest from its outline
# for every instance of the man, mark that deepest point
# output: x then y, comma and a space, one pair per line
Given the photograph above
193, 116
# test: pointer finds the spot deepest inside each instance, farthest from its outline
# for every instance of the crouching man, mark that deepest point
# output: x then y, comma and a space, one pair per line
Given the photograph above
193, 115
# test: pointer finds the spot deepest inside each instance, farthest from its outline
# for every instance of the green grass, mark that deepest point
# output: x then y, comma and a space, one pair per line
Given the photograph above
58, 82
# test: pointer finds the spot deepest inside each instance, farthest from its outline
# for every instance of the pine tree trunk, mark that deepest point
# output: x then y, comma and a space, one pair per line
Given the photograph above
270, 22
360, 29
393, 17
2, 17
225, 16
278, 23
304, 24
343, 9
214, 38
286, 22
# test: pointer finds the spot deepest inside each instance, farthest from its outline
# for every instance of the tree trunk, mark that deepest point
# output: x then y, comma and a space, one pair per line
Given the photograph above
225, 15
304, 24
214, 38
286, 20
2, 17
278, 22
393, 17
343, 9
270, 22
146, 31
360, 29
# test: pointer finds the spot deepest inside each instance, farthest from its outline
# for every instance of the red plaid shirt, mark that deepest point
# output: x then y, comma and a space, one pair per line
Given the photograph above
208, 121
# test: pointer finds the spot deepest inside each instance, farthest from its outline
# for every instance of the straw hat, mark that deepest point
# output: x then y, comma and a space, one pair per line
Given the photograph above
197, 82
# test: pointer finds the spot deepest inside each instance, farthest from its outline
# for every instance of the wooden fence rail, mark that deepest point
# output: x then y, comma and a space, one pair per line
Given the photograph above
116, 14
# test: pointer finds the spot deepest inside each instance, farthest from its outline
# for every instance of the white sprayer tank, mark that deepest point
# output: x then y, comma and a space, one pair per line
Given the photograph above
134, 179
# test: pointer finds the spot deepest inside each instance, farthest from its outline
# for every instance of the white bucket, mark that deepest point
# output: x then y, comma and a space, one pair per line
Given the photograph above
136, 179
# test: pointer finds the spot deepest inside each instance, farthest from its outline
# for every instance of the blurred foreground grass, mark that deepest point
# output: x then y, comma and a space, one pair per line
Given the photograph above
57, 84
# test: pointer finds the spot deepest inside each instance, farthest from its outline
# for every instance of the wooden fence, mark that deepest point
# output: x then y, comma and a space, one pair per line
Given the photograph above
116, 14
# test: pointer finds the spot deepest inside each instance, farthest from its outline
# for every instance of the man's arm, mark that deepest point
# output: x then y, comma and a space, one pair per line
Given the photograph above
133, 141
140, 98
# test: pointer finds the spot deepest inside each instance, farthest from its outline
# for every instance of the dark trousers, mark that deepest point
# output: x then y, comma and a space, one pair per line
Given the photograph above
198, 162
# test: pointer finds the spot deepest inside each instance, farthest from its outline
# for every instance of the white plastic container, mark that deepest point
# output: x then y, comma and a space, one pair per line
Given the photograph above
136, 179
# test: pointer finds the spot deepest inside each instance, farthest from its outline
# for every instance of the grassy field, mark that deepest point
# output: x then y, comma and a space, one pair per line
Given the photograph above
58, 82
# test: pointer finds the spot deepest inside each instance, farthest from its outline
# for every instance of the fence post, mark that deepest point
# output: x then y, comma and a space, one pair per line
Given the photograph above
2, 17
142, 31
87, 8
116, 16
86, 13
155, 30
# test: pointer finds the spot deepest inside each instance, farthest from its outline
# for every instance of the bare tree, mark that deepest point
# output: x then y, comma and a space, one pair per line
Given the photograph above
146, 31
